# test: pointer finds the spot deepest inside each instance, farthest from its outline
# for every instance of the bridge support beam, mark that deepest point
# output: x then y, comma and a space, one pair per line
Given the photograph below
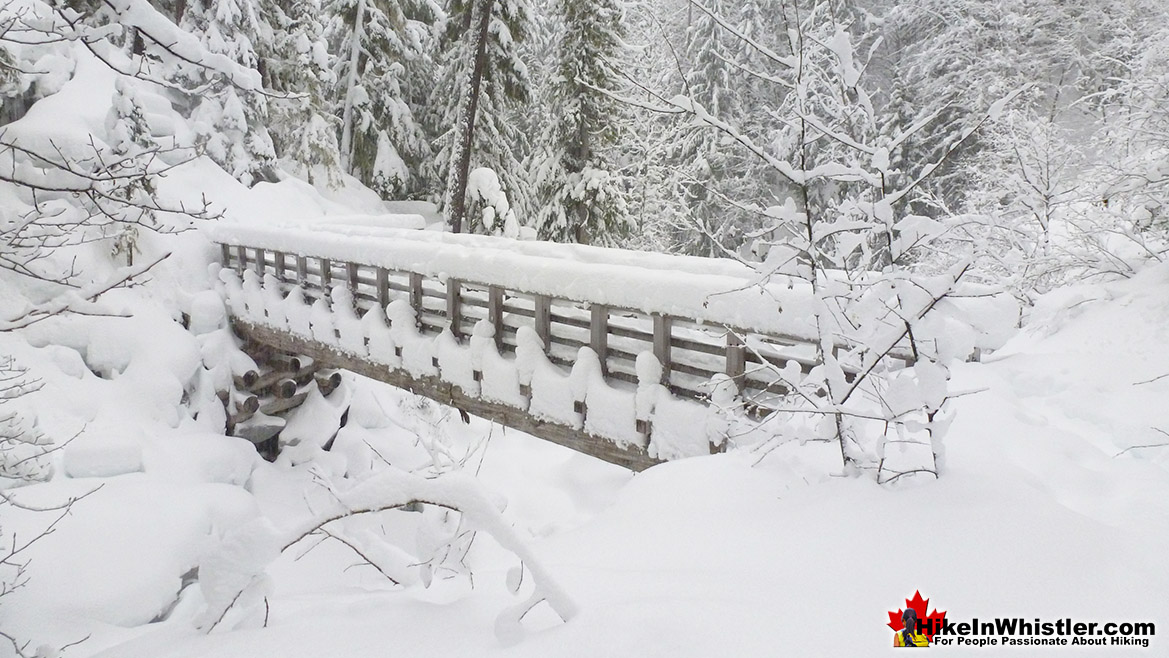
631, 457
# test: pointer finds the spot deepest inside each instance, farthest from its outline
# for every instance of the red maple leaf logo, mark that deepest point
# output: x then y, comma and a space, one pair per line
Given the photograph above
930, 623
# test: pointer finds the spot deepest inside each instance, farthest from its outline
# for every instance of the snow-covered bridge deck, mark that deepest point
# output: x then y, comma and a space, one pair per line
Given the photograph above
614, 353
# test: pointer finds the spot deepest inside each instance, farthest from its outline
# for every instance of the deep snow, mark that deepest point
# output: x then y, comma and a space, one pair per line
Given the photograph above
1047, 506
1036, 515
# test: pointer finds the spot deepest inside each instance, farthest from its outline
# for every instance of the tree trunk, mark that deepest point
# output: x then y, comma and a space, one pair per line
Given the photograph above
350, 84
456, 201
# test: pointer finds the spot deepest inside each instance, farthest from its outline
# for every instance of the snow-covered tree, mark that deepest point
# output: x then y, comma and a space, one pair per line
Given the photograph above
297, 67
706, 172
581, 192
482, 83
129, 136
230, 119
67, 190
380, 47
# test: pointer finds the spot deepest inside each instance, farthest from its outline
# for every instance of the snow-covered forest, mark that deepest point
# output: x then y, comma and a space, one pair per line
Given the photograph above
955, 211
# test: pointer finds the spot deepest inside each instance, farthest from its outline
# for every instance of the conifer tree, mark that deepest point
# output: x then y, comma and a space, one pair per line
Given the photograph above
380, 46
482, 85
231, 120
299, 67
581, 193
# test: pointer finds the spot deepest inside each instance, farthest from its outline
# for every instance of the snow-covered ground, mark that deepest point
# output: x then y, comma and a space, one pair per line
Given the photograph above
1048, 507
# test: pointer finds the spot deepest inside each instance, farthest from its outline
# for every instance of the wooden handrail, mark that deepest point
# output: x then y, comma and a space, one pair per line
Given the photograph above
373, 284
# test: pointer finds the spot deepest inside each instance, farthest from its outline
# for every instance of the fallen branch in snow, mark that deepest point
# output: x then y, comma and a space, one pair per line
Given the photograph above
903, 473
360, 552
1149, 445
237, 572
1150, 381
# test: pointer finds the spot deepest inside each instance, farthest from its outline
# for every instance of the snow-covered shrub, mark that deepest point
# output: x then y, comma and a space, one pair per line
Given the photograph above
24, 450
487, 207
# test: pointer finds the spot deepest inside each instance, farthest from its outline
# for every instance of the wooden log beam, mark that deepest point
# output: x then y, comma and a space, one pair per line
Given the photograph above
282, 405
631, 457
285, 388
328, 382
243, 411
294, 370
247, 380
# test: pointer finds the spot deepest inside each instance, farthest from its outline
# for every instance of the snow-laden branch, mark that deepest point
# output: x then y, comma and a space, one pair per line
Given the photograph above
787, 62
992, 113
228, 582
80, 301
156, 28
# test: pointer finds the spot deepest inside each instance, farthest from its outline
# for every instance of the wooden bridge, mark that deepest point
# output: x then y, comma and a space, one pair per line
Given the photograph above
453, 318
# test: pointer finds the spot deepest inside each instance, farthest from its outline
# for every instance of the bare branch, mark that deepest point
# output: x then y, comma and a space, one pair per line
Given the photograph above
66, 303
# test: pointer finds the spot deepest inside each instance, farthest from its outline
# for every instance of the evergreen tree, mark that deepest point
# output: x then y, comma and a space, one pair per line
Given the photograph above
300, 68
581, 192
129, 137
231, 120
482, 84
706, 172
380, 46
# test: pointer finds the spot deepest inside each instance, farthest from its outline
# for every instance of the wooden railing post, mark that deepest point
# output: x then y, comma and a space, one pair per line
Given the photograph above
383, 288
351, 275
662, 330
599, 334
736, 359
416, 295
260, 262
543, 320
226, 250
281, 265
495, 313
326, 275
301, 270
241, 258
454, 304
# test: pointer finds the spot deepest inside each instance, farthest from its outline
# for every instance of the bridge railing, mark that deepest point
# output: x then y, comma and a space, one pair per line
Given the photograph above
691, 352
